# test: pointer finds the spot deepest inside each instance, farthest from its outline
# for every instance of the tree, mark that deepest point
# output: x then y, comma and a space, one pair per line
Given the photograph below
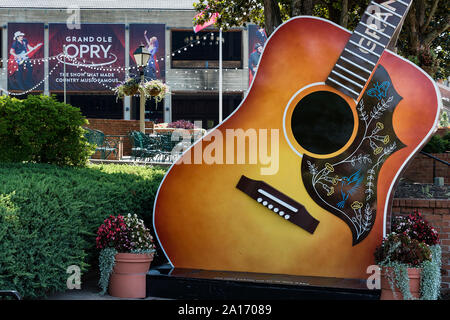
271, 13
424, 37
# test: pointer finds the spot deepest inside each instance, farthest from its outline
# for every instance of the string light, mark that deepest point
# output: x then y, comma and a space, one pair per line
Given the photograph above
92, 66
32, 60
33, 88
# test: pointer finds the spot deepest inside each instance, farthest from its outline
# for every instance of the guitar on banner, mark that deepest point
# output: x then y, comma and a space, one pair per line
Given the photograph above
15, 61
298, 180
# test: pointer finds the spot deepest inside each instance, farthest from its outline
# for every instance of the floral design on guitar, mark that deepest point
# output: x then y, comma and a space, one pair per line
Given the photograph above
346, 185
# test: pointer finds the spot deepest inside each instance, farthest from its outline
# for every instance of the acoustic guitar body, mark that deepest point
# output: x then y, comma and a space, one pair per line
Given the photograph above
205, 216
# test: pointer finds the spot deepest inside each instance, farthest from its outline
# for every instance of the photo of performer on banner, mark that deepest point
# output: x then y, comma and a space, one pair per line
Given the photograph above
25, 42
152, 47
256, 39
152, 36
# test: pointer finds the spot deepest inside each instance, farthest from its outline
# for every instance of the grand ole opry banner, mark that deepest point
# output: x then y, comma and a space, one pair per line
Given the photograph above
92, 50
95, 55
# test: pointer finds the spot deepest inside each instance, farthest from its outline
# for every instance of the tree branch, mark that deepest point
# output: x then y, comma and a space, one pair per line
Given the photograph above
431, 15
413, 36
343, 19
272, 16
421, 6
308, 7
437, 32
296, 7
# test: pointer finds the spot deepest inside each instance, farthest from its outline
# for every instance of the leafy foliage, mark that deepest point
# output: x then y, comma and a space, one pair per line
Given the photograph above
413, 243
183, 124
106, 264
424, 37
430, 283
401, 248
443, 121
41, 129
49, 216
438, 144
416, 227
127, 88
125, 234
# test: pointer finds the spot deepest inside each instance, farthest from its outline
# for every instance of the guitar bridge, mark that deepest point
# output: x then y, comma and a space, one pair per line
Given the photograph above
278, 203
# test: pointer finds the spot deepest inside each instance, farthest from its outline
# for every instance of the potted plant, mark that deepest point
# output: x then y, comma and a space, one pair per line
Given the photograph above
410, 260
128, 88
156, 89
127, 249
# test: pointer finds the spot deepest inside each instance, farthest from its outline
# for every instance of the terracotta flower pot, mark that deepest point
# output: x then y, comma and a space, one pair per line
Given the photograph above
414, 284
128, 279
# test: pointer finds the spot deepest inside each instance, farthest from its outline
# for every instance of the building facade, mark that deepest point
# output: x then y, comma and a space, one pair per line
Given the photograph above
99, 38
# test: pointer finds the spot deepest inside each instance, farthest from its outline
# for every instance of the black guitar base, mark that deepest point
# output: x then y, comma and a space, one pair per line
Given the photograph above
165, 282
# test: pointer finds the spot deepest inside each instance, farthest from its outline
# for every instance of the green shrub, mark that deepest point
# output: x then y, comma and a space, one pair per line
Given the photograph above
438, 144
49, 216
446, 138
41, 129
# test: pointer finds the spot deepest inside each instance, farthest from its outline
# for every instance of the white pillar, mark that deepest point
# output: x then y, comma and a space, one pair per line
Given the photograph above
245, 70
4, 55
127, 99
220, 76
167, 113
168, 108
46, 62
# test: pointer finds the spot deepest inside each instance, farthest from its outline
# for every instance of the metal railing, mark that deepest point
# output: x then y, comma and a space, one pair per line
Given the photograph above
434, 162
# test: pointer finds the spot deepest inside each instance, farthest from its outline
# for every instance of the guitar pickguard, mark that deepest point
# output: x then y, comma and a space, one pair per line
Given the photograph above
346, 185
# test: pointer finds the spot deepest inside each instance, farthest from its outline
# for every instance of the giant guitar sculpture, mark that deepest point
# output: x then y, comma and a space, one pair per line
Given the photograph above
344, 116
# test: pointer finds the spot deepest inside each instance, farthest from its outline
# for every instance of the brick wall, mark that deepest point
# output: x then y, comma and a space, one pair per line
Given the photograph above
118, 127
420, 168
437, 213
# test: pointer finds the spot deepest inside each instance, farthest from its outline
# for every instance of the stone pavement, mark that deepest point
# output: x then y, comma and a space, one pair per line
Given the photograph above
89, 291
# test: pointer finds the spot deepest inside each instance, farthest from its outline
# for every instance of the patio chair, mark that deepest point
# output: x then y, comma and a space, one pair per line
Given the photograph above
10, 293
143, 146
171, 149
104, 145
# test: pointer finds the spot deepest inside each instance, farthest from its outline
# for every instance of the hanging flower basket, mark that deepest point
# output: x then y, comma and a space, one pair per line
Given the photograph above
154, 92
131, 90
128, 88
156, 89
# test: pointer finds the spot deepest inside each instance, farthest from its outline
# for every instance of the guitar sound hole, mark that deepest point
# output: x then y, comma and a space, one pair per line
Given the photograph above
322, 122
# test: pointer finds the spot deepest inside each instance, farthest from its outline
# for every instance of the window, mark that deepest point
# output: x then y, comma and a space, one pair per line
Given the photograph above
202, 49
204, 108
1, 48
103, 106
153, 111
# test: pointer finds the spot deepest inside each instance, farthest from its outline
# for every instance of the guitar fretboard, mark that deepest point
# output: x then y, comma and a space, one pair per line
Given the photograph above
366, 45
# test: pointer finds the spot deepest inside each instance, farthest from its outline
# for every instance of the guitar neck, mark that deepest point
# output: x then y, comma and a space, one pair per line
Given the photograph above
366, 45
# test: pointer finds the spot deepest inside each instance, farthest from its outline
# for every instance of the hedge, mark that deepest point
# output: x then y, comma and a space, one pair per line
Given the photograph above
41, 129
438, 144
49, 216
